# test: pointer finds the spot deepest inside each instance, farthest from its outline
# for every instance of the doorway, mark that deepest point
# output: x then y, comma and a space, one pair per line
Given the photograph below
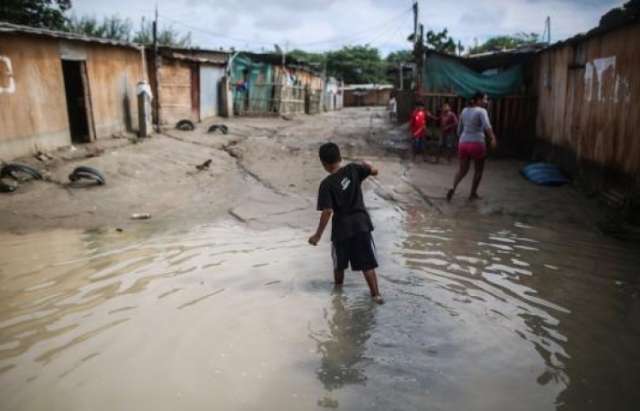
78, 105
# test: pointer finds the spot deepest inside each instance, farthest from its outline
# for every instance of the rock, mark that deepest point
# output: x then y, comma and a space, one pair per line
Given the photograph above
140, 216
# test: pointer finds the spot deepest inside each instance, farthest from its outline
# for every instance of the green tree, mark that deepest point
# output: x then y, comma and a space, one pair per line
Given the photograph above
399, 56
315, 59
441, 41
113, 27
37, 13
168, 36
356, 64
505, 42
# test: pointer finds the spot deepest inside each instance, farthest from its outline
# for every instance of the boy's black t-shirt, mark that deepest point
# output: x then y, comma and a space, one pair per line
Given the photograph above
342, 192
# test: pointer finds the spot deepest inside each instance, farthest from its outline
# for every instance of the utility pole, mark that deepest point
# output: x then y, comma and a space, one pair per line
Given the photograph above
156, 62
415, 22
548, 29
419, 55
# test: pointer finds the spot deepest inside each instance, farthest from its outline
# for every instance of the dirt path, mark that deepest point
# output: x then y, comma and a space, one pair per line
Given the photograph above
264, 171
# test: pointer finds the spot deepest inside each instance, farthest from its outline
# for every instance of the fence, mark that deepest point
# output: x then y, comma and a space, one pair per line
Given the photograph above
512, 117
274, 99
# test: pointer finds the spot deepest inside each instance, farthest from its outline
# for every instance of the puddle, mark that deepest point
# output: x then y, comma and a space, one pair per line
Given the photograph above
486, 314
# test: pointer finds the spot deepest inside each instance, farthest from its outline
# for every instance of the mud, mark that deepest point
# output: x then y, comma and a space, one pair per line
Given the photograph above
514, 302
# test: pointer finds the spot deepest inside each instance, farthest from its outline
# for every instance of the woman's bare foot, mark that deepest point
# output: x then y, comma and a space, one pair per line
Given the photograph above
474, 196
450, 194
378, 299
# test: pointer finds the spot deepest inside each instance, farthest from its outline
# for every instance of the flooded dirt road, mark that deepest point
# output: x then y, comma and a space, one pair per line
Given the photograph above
510, 303
482, 313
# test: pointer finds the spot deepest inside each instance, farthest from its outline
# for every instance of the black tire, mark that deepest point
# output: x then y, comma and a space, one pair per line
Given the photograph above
78, 175
6, 188
215, 127
185, 125
10, 170
90, 170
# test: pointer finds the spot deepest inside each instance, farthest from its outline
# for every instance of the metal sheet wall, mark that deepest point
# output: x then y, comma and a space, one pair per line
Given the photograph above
210, 77
588, 96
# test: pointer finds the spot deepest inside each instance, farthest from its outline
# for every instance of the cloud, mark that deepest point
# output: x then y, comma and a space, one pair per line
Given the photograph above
329, 24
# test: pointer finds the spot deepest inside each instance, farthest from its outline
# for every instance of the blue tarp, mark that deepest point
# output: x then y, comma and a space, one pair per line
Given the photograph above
544, 174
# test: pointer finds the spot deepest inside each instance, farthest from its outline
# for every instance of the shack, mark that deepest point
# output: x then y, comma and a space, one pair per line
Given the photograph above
262, 85
506, 76
187, 83
587, 115
61, 88
356, 95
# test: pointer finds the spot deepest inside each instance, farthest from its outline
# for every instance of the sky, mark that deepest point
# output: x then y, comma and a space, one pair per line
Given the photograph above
320, 25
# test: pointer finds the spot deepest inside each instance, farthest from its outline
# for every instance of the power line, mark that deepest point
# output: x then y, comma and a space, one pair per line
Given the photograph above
345, 39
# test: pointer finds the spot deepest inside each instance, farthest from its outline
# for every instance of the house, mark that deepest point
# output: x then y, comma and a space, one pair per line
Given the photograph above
263, 85
366, 94
588, 90
574, 102
60, 88
187, 83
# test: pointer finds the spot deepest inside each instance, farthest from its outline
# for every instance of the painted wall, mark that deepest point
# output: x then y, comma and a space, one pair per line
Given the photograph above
210, 76
33, 110
588, 97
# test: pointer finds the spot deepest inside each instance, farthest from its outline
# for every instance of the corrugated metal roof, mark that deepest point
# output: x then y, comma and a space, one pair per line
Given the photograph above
16, 28
217, 57
368, 87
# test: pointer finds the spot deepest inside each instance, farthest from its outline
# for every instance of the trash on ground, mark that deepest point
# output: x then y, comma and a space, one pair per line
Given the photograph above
204, 165
140, 216
215, 127
545, 174
7, 188
185, 125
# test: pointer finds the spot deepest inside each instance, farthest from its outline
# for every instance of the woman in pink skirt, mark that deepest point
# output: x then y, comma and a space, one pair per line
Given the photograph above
474, 123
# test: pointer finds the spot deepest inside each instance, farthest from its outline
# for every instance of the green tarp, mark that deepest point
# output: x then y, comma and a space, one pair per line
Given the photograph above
445, 75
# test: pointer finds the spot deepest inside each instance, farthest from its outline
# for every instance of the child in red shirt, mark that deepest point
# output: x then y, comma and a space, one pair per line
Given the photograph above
418, 128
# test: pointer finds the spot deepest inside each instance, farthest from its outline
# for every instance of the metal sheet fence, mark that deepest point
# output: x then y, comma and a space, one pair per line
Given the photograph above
513, 119
274, 99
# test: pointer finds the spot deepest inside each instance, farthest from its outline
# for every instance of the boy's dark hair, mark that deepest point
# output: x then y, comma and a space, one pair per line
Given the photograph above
329, 153
419, 103
478, 95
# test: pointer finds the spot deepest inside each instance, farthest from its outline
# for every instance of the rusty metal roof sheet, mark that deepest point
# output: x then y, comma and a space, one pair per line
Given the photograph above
36, 31
197, 55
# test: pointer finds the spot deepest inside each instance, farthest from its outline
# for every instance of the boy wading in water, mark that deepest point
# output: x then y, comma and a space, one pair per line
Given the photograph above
340, 194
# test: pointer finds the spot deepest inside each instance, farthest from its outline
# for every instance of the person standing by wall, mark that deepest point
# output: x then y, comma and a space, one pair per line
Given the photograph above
474, 123
392, 106
448, 133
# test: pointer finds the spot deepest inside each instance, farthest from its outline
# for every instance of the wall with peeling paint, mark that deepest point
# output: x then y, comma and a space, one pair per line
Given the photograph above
33, 108
589, 97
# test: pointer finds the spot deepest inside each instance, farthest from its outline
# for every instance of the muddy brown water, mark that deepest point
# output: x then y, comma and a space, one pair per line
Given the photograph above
481, 314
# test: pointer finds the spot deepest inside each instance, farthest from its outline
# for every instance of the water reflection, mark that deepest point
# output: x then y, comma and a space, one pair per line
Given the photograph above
555, 291
343, 345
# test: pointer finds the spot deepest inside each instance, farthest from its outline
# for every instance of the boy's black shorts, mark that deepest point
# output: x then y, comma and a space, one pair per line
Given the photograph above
359, 250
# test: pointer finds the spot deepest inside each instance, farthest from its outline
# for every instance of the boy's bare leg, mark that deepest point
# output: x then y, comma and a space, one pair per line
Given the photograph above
338, 277
372, 282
